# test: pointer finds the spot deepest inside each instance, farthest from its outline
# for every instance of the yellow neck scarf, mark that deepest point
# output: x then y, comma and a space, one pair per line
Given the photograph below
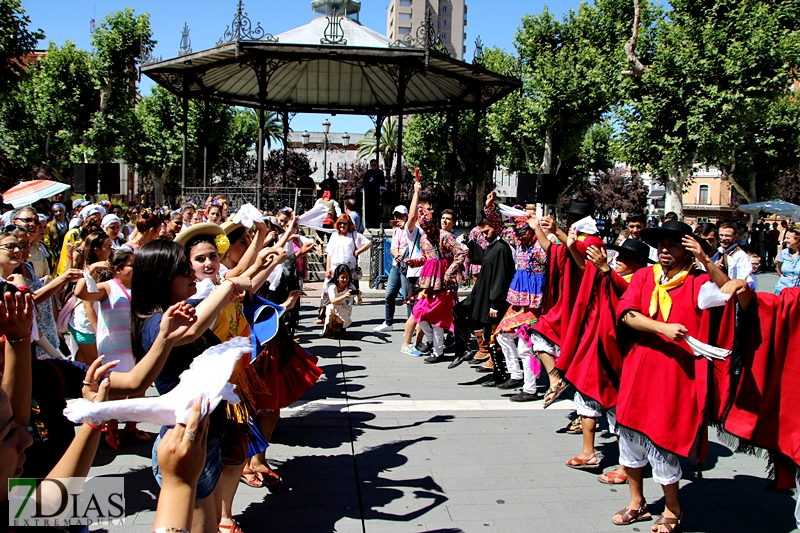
660, 298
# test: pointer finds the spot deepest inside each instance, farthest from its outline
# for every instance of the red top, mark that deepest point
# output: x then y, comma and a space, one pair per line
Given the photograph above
765, 410
590, 354
664, 390
564, 282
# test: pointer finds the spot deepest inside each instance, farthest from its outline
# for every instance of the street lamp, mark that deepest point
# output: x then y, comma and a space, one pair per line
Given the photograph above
306, 137
325, 146
346, 139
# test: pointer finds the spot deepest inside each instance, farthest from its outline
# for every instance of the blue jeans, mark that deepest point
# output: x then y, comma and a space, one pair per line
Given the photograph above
212, 470
396, 283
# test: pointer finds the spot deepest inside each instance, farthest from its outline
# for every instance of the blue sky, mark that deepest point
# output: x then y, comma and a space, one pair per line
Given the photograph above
495, 21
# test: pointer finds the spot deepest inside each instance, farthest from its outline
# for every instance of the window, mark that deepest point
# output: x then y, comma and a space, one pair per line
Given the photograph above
405, 16
404, 31
405, 3
444, 9
444, 23
702, 195
444, 36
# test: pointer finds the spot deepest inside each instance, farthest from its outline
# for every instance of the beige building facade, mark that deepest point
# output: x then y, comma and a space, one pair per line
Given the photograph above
449, 17
707, 199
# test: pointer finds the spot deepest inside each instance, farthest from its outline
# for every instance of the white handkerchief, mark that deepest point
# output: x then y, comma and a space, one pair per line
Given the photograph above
248, 215
711, 296
91, 286
586, 225
509, 212
702, 349
314, 217
207, 377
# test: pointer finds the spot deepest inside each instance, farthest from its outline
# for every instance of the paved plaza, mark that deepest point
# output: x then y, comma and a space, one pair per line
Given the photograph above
386, 443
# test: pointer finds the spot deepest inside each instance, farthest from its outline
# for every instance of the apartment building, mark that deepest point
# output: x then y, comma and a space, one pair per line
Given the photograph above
449, 17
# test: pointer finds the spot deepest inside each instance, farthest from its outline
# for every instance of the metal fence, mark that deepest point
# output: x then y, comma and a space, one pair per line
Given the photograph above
272, 199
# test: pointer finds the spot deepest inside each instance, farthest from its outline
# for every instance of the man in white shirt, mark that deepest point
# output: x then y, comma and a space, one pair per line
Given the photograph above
731, 258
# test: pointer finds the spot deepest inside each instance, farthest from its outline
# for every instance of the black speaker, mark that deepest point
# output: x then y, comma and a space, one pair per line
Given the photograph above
109, 178
526, 188
85, 178
547, 189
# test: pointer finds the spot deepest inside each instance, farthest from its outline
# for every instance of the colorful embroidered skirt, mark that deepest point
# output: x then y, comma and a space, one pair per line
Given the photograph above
526, 289
435, 307
516, 317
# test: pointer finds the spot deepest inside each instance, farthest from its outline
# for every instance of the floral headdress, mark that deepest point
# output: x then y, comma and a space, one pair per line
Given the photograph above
222, 243
424, 215
518, 223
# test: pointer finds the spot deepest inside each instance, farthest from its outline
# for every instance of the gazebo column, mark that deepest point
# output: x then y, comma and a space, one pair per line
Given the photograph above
185, 106
260, 156
401, 102
378, 130
285, 118
479, 188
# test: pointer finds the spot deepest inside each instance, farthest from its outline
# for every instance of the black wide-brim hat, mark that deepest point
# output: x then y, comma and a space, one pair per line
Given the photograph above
672, 229
580, 210
634, 248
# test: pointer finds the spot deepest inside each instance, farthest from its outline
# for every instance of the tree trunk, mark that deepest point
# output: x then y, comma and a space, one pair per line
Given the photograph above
158, 186
673, 200
547, 157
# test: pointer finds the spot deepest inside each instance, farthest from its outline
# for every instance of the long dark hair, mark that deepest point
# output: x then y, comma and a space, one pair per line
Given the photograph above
117, 260
93, 242
154, 267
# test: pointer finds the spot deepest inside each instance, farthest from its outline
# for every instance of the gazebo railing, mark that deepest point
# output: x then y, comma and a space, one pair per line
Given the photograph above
273, 198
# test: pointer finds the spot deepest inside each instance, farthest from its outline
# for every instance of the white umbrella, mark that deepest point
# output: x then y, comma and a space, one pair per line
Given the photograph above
777, 207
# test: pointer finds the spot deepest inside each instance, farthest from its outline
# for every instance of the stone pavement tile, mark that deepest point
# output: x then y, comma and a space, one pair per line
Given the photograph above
551, 524
507, 511
517, 495
458, 479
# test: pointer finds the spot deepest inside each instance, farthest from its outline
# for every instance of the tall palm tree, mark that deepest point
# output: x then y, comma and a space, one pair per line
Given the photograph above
273, 127
388, 147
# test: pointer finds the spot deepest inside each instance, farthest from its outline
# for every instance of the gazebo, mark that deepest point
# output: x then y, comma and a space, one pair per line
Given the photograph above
331, 65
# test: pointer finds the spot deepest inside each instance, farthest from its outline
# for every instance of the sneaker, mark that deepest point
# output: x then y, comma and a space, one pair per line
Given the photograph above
425, 347
383, 328
410, 350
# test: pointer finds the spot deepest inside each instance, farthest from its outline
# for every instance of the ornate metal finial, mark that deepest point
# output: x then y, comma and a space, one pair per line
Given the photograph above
186, 41
425, 37
477, 57
146, 56
334, 33
241, 29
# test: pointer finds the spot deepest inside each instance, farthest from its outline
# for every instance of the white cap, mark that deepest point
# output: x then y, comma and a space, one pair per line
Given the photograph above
108, 220
80, 202
90, 210
75, 223
403, 210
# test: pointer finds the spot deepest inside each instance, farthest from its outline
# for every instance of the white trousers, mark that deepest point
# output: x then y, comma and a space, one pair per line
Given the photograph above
518, 360
636, 450
435, 336
591, 409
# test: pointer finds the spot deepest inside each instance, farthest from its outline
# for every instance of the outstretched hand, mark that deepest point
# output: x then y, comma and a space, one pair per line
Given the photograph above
95, 387
16, 315
176, 321
490, 198
599, 258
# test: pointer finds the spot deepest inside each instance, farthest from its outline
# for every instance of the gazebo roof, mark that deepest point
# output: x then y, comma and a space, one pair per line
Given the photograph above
332, 65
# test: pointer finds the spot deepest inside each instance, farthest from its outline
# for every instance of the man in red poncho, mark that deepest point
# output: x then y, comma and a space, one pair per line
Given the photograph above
563, 282
764, 411
667, 394
594, 361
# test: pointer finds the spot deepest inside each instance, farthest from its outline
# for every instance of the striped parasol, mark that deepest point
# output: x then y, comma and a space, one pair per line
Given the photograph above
27, 192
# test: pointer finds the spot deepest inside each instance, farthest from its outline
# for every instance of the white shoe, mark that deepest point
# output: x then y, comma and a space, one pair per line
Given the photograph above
383, 328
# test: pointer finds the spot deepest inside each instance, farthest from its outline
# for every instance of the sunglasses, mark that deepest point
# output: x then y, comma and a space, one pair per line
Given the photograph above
30, 220
11, 246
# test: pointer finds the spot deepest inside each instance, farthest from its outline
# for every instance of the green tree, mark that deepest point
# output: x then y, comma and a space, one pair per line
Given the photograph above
16, 40
119, 41
48, 113
388, 149
159, 140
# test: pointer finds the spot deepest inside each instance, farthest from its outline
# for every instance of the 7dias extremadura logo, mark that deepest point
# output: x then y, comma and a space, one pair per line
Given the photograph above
98, 501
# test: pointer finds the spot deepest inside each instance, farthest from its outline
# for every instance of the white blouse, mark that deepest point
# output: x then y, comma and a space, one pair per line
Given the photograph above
341, 248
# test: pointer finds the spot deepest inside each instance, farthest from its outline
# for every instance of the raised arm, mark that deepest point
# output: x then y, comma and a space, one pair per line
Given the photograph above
175, 323
82, 291
541, 236
53, 287
208, 310
252, 251
16, 320
572, 246
412, 211
714, 272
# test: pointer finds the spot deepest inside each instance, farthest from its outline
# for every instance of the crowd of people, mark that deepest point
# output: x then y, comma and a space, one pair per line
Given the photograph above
660, 331
99, 308
626, 325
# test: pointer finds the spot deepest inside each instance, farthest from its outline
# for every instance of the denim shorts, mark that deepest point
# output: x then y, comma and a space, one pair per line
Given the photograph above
212, 470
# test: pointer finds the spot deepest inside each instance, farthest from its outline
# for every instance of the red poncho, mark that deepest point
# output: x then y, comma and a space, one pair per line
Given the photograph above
590, 353
563, 283
666, 392
765, 409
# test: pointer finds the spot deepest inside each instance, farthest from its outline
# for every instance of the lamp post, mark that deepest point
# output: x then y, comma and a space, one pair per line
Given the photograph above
325, 146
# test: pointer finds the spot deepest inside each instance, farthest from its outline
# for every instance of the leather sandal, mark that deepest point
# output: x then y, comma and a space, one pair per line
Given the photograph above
553, 393
584, 464
613, 478
233, 528
575, 427
672, 524
631, 516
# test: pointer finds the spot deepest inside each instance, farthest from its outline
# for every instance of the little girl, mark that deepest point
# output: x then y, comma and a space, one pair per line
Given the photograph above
113, 304
341, 293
